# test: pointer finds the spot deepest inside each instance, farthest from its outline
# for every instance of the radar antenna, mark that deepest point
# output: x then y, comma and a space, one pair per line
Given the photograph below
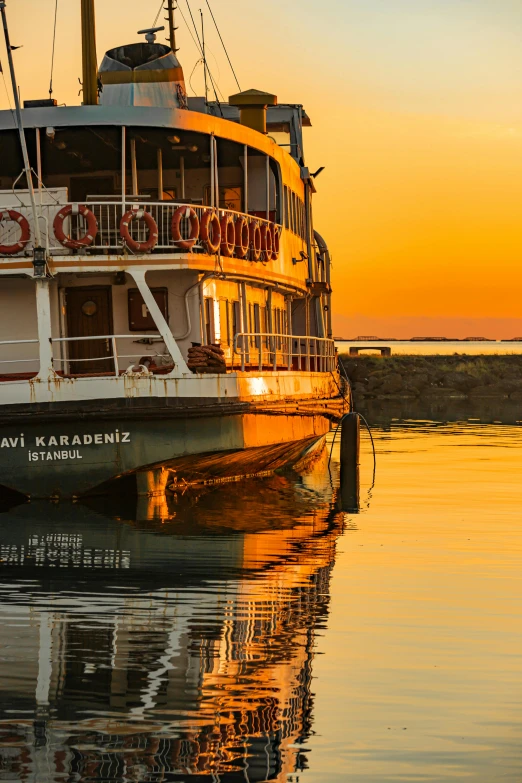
150, 33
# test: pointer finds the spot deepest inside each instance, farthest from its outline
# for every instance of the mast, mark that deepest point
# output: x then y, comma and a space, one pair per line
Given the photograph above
172, 28
89, 61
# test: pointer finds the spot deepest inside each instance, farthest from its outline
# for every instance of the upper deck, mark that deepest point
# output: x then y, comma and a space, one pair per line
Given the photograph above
116, 159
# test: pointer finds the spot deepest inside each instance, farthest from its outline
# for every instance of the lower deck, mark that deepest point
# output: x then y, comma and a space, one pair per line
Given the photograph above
100, 325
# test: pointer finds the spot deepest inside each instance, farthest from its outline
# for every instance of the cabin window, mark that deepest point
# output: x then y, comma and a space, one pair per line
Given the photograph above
294, 213
257, 324
140, 320
209, 320
236, 318
287, 223
224, 331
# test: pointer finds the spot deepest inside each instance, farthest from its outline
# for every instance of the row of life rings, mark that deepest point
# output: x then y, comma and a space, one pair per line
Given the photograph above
240, 238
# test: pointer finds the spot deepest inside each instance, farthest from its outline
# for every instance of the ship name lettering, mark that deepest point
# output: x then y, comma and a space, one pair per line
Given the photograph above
45, 456
98, 439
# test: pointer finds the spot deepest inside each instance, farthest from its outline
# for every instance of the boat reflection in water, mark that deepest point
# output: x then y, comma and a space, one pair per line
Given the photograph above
148, 649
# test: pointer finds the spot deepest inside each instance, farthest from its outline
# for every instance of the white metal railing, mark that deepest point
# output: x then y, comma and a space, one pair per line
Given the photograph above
285, 351
112, 357
108, 215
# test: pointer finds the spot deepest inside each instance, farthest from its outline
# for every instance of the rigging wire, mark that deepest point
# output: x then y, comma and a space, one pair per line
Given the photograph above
224, 47
158, 14
54, 44
203, 55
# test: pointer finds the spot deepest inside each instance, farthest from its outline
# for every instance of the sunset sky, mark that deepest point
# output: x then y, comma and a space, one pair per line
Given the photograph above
416, 108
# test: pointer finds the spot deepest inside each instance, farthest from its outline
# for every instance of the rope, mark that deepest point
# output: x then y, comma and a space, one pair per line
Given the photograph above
204, 58
54, 44
158, 14
224, 47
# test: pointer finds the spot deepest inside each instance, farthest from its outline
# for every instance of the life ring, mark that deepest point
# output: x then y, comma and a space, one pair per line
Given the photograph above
266, 241
241, 237
188, 213
210, 231
16, 217
275, 242
254, 235
228, 235
132, 244
88, 237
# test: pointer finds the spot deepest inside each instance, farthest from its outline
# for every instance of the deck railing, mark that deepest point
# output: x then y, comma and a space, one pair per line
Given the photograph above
256, 350
284, 352
114, 360
108, 215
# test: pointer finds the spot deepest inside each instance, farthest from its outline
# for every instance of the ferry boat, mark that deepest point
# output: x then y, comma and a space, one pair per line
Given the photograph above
165, 301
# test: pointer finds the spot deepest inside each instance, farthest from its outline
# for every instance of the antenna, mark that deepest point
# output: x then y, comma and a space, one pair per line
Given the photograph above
172, 27
150, 33
203, 53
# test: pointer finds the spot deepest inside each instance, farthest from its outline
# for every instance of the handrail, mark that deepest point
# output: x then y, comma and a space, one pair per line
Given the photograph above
114, 356
302, 352
108, 215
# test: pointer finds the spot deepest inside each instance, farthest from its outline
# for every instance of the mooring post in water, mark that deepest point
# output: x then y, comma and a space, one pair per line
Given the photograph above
350, 440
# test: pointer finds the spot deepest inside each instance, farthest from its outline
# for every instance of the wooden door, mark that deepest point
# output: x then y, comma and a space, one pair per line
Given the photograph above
89, 312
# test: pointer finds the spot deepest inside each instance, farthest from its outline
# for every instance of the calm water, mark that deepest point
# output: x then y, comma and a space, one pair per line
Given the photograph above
253, 632
430, 348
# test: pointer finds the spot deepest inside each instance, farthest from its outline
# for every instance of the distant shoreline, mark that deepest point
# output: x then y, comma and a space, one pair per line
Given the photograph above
435, 377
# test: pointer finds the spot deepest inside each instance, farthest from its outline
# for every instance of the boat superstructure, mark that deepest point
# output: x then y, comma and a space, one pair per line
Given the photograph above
176, 311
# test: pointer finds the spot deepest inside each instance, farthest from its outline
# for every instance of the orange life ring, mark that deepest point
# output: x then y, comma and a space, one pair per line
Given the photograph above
266, 241
139, 247
16, 217
228, 235
275, 242
254, 235
188, 213
210, 231
241, 237
88, 237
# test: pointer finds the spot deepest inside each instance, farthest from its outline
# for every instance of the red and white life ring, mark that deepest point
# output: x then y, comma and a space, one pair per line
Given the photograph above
241, 237
210, 231
88, 216
132, 244
16, 217
187, 213
228, 235
275, 242
254, 233
266, 241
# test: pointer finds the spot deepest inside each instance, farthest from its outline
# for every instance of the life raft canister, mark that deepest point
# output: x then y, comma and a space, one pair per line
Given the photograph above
228, 235
241, 237
254, 233
210, 231
16, 217
132, 244
185, 213
92, 226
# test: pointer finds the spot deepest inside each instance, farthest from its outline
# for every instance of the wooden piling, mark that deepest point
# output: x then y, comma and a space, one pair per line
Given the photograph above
350, 441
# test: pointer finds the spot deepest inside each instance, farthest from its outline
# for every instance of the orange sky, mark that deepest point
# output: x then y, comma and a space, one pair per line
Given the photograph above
416, 108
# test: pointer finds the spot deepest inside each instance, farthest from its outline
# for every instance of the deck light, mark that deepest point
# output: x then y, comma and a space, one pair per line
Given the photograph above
40, 262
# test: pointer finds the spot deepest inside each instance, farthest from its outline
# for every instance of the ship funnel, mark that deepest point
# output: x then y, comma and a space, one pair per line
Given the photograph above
143, 74
252, 105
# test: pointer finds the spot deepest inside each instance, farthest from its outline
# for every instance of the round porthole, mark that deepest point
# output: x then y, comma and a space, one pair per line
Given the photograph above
89, 307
